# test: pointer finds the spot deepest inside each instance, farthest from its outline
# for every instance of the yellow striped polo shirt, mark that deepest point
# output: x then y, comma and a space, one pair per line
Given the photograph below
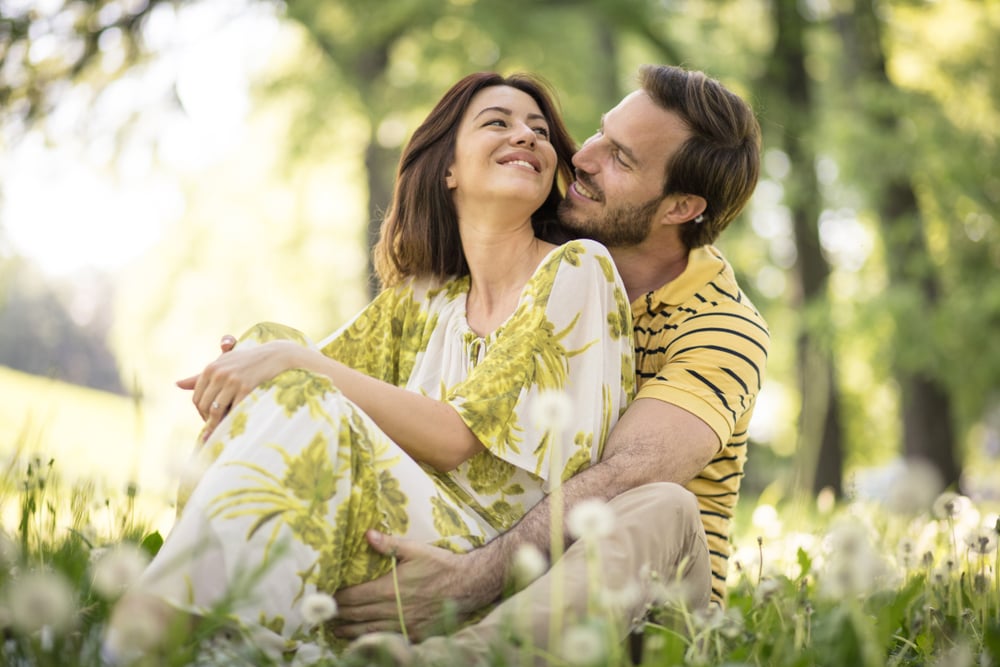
702, 346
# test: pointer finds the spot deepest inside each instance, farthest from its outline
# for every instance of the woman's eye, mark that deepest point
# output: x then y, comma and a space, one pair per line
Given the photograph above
542, 132
499, 122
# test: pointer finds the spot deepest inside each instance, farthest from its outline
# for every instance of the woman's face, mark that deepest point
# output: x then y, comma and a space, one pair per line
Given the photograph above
502, 152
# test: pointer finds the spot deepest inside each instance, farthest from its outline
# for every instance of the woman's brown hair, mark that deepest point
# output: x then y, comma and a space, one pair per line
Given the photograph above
419, 235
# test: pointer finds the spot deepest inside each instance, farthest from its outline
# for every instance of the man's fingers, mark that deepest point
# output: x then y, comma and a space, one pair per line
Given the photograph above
371, 613
370, 593
355, 630
387, 545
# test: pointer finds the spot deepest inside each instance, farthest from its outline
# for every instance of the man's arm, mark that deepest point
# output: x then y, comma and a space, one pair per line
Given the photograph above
653, 442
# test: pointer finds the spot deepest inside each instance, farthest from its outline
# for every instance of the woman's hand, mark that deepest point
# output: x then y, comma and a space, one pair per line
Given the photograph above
227, 380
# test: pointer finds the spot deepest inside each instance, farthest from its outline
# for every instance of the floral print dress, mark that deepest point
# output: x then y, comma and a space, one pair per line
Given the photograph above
296, 473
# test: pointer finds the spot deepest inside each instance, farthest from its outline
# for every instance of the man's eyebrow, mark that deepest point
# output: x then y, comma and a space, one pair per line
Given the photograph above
507, 112
620, 146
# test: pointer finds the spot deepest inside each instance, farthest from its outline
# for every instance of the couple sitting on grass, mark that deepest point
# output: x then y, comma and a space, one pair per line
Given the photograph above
554, 327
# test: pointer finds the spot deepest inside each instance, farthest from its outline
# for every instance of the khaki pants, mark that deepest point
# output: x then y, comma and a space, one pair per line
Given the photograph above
656, 552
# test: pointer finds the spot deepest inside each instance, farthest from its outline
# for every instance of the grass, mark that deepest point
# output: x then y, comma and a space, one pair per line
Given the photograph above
860, 586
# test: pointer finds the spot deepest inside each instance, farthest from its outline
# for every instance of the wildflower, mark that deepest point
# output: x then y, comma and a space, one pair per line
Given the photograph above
552, 410
765, 517
40, 599
529, 564
622, 598
318, 608
584, 645
767, 589
949, 505
590, 519
906, 553
137, 632
913, 488
848, 538
116, 569
982, 541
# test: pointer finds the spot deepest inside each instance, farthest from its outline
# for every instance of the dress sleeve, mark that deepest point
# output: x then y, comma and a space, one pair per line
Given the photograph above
382, 340
559, 372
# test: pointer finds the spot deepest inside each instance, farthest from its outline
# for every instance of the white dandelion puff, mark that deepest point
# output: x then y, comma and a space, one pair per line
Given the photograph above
552, 410
529, 564
116, 569
318, 608
949, 505
137, 632
913, 487
982, 541
584, 645
590, 519
41, 599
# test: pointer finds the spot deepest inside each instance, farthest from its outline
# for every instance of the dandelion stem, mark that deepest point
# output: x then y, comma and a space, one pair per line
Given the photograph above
399, 599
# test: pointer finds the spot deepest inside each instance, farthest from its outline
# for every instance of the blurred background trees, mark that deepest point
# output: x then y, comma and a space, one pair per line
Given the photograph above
263, 136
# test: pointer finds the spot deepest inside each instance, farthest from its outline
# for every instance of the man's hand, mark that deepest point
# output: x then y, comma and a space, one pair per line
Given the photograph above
428, 578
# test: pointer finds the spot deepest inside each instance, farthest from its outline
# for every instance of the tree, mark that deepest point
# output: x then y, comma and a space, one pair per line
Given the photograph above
793, 116
914, 288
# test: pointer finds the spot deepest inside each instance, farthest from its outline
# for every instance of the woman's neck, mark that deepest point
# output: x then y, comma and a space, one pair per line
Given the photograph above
500, 264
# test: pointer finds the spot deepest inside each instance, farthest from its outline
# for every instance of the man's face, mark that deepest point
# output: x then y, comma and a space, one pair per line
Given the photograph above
620, 172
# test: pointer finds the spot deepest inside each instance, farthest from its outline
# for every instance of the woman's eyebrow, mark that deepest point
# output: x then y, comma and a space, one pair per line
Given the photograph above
507, 112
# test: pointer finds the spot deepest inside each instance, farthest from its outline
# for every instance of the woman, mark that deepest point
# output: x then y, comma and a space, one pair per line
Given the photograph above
416, 418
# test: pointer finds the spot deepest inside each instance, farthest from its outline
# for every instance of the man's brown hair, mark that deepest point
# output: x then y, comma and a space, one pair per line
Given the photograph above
721, 160
419, 235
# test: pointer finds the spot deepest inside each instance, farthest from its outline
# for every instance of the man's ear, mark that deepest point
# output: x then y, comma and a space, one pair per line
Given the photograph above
680, 208
449, 180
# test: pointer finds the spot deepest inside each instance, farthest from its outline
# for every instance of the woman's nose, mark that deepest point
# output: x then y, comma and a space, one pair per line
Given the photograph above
524, 136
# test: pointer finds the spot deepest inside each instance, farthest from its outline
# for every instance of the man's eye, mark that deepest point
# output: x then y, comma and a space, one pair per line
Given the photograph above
617, 155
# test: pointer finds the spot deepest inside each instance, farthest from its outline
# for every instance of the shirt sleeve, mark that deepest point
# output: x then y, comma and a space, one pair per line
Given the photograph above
559, 372
714, 369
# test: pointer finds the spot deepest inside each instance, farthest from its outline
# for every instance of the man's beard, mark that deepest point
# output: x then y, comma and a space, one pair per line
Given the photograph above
623, 226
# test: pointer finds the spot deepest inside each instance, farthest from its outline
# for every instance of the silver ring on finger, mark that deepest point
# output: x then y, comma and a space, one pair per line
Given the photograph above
215, 405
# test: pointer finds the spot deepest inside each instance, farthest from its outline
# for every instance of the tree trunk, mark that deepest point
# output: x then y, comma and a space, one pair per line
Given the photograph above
820, 450
928, 430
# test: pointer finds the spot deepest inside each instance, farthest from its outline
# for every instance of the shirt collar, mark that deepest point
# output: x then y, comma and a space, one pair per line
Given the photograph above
704, 265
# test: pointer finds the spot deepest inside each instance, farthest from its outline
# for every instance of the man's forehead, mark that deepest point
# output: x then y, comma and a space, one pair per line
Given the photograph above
643, 127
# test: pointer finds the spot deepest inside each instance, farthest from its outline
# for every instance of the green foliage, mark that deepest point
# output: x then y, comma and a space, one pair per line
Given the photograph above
842, 600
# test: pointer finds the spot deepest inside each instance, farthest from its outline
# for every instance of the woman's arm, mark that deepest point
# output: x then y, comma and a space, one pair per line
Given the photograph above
428, 430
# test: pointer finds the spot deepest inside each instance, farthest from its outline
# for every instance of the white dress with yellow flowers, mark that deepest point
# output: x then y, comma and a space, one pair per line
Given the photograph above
296, 473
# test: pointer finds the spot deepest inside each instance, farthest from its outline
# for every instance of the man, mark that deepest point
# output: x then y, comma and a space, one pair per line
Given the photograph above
669, 169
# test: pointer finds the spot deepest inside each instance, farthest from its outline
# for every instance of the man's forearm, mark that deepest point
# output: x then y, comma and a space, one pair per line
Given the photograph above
601, 481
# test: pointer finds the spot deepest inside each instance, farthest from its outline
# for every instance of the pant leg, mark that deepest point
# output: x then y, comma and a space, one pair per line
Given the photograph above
656, 550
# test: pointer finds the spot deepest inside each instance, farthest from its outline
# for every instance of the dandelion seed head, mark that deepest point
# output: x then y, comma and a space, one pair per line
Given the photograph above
318, 608
552, 411
41, 599
529, 564
767, 589
765, 518
116, 569
949, 505
620, 598
590, 519
982, 541
913, 488
138, 632
584, 645
848, 538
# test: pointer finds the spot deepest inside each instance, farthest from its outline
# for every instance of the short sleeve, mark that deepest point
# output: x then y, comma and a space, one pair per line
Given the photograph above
559, 372
383, 340
714, 369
